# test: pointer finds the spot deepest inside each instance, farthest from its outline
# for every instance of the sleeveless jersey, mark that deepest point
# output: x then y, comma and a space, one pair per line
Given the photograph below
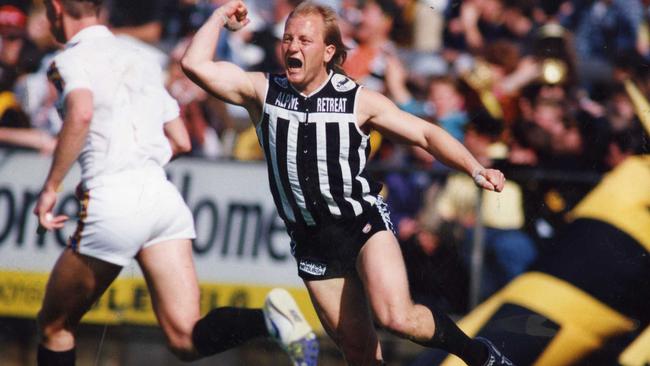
315, 151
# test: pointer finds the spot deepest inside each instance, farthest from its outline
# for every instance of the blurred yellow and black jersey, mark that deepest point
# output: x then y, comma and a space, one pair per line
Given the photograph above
587, 301
622, 200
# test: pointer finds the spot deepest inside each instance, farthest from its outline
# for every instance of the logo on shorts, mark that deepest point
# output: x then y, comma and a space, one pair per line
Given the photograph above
367, 228
313, 268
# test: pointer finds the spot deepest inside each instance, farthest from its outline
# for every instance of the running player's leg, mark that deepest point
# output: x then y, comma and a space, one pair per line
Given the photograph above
169, 270
343, 310
75, 283
381, 267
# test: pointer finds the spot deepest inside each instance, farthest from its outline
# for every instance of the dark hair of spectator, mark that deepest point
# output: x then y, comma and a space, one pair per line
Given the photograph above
631, 63
504, 54
332, 31
531, 91
388, 7
633, 140
484, 124
551, 7
532, 136
525, 7
14, 117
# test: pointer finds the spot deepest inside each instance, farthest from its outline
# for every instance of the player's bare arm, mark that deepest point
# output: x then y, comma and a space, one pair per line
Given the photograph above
78, 114
178, 137
379, 112
224, 80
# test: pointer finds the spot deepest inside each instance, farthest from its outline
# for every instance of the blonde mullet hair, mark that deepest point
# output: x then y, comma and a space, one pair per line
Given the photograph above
332, 32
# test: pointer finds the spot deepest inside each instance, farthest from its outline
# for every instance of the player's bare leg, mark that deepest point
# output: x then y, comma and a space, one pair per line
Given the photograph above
75, 283
343, 310
168, 268
381, 268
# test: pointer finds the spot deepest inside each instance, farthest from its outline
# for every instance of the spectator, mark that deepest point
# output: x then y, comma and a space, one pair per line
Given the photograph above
142, 19
625, 143
607, 28
140, 23
436, 272
192, 103
367, 62
426, 22
268, 37
18, 55
508, 250
476, 24
445, 102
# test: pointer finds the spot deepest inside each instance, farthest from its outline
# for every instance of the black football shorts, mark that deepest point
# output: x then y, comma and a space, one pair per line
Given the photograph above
330, 250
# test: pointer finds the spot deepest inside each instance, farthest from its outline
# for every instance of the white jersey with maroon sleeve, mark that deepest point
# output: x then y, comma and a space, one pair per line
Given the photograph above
126, 201
131, 104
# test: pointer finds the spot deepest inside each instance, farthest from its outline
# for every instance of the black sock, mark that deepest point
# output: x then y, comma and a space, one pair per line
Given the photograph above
46, 357
452, 339
228, 327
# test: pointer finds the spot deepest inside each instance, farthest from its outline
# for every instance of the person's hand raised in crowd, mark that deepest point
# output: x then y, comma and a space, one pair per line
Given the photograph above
527, 70
395, 78
469, 17
588, 105
469, 14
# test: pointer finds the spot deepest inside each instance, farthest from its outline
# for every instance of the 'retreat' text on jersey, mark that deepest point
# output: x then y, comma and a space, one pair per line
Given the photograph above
330, 105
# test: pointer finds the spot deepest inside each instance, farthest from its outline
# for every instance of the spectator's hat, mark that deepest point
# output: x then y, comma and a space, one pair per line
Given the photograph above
13, 21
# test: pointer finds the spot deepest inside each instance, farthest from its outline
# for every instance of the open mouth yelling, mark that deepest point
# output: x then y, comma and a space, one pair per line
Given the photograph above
293, 64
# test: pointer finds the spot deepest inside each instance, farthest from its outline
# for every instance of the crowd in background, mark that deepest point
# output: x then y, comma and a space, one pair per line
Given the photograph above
528, 86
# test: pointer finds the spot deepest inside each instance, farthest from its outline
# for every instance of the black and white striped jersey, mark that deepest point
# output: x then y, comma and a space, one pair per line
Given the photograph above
315, 151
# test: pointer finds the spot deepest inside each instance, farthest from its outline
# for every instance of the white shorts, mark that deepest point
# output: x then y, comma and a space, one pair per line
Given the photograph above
123, 213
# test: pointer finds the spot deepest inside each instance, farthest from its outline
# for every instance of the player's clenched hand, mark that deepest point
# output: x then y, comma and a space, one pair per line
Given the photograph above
43, 209
234, 14
490, 179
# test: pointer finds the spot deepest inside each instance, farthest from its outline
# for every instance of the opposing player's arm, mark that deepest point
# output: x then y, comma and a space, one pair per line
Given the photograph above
382, 114
177, 135
78, 105
76, 124
223, 80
